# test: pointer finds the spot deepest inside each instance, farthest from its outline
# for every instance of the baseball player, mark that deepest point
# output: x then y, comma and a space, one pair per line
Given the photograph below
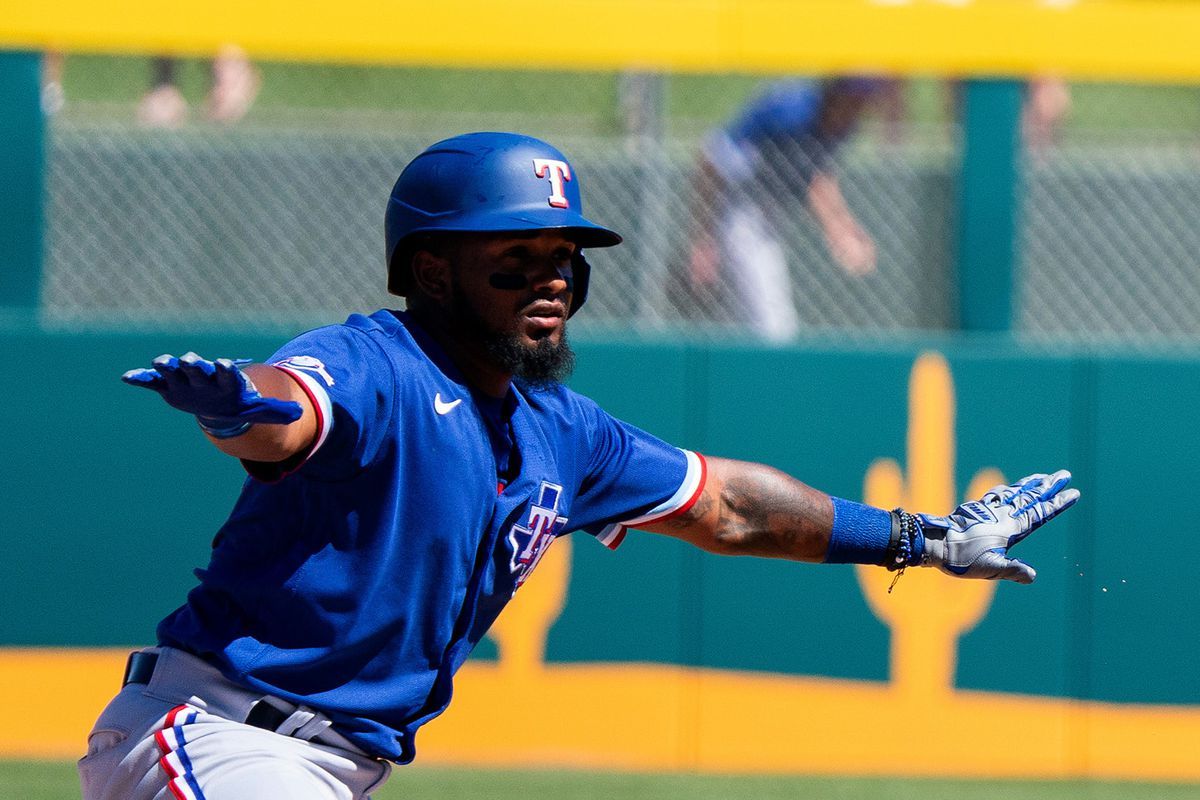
407, 471
780, 145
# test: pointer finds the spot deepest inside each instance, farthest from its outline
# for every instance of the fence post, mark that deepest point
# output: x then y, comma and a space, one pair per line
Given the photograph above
987, 204
643, 100
22, 180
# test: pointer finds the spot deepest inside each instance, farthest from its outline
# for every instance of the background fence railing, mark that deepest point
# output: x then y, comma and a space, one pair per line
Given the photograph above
277, 218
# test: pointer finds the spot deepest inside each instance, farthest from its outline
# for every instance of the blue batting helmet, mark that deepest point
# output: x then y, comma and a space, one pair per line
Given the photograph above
484, 182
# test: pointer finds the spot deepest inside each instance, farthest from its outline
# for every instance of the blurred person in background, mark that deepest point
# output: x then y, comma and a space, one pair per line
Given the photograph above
232, 91
53, 97
781, 145
1046, 107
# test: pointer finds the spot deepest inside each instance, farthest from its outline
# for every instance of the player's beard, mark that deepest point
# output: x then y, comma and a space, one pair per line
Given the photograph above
540, 366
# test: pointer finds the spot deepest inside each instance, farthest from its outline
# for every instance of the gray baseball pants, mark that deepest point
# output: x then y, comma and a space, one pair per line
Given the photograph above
181, 737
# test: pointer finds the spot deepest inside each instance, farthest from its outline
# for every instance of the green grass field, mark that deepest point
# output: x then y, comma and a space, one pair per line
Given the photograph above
56, 781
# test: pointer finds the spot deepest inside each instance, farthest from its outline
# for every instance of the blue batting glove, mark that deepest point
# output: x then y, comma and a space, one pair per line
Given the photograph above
973, 541
223, 398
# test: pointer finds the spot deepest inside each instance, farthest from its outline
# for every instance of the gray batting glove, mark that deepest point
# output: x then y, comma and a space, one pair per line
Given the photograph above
973, 541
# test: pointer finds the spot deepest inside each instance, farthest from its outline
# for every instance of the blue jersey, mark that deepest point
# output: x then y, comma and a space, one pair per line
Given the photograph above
783, 110
781, 122
358, 582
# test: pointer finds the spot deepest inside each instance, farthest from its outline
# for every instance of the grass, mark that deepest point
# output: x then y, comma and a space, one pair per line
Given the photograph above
55, 780
469, 785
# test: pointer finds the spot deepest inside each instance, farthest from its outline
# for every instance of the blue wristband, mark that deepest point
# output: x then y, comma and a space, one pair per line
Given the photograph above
861, 534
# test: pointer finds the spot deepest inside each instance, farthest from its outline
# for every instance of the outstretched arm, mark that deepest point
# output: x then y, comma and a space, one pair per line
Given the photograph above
848, 242
250, 411
750, 509
754, 510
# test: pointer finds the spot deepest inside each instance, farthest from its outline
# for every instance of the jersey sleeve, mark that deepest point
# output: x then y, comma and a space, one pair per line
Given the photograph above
352, 387
735, 162
632, 478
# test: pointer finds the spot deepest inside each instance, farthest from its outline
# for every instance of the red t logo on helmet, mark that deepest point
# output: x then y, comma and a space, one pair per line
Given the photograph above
558, 171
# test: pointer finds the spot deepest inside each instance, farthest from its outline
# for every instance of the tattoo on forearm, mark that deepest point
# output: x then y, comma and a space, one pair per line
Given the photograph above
768, 513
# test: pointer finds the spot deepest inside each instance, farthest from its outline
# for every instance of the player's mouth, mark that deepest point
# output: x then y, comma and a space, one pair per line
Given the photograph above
544, 316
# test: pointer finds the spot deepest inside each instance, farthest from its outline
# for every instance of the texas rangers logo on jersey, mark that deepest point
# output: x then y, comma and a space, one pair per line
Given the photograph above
529, 541
558, 172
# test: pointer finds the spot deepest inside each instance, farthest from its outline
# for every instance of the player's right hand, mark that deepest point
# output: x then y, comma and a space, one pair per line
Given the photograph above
219, 393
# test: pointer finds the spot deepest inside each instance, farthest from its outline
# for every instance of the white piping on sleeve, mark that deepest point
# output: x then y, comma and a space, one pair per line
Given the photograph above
324, 405
611, 535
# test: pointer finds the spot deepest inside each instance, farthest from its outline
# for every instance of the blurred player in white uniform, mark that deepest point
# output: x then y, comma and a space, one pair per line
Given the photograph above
779, 147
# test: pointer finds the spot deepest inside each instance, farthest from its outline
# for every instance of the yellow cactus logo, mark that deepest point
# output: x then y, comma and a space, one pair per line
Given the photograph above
928, 611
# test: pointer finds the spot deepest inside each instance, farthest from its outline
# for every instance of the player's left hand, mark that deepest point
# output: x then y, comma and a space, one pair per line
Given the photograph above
973, 541
219, 393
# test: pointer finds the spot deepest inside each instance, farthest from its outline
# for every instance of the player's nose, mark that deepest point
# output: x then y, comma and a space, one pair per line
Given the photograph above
551, 277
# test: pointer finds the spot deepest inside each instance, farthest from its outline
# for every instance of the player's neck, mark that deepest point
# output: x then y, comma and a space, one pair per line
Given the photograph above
467, 353
483, 376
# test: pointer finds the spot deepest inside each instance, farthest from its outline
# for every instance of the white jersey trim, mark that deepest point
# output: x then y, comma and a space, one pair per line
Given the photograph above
321, 398
693, 482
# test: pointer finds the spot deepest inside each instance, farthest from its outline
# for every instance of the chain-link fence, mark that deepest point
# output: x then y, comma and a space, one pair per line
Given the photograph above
276, 219
1110, 249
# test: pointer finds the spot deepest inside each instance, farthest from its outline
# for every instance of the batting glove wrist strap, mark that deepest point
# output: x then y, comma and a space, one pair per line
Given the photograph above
222, 429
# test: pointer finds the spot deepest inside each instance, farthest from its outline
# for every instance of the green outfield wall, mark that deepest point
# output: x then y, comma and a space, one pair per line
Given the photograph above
110, 499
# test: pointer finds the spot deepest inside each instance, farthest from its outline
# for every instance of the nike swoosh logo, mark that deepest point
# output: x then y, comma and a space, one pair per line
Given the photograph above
442, 407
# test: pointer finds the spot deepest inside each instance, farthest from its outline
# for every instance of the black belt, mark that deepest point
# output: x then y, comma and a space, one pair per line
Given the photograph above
140, 667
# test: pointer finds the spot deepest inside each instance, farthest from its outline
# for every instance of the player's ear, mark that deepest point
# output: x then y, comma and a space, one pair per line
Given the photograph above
431, 274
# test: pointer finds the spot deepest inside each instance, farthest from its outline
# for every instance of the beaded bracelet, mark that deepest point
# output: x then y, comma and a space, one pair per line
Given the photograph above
900, 549
904, 533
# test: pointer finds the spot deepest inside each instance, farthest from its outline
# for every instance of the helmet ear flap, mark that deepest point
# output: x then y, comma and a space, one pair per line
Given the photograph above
399, 275
581, 272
